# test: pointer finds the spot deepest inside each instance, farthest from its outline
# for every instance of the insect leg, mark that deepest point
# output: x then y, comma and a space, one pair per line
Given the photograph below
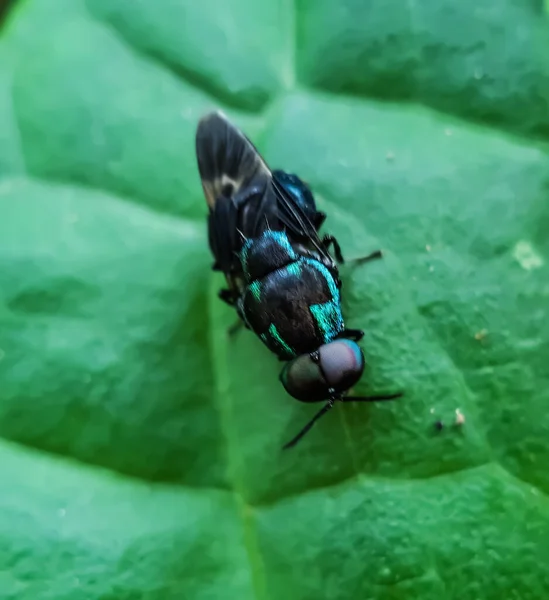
305, 429
320, 217
330, 240
241, 321
235, 328
227, 296
352, 334
373, 256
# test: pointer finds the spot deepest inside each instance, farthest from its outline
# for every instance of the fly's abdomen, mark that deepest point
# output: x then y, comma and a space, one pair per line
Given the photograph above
294, 309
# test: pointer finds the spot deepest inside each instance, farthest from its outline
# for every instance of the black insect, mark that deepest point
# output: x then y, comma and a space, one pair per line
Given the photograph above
281, 279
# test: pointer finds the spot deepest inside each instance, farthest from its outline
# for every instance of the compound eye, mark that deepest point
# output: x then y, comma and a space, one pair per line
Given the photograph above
302, 379
342, 363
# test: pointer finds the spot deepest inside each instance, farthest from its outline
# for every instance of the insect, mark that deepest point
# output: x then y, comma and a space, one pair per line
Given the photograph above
263, 232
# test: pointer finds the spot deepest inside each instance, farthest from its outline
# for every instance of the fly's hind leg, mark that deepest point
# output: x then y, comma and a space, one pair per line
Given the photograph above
373, 256
330, 240
320, 217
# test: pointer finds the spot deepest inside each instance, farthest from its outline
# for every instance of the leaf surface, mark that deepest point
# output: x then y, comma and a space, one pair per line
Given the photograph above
141, 446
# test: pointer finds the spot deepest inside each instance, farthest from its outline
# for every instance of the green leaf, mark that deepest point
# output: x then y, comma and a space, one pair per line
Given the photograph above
141, 446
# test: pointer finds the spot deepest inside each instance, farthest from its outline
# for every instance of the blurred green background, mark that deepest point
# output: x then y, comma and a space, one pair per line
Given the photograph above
140, 453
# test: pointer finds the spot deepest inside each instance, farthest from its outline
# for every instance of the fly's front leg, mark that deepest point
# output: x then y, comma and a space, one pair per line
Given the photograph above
352, 334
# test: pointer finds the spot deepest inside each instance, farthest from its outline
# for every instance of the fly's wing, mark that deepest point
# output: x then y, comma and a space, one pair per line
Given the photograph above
297, 205
237, 186
228, 163
297, 212
245, 197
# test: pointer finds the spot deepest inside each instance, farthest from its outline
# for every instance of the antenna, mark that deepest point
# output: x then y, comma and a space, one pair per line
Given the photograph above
321, 412
330, 404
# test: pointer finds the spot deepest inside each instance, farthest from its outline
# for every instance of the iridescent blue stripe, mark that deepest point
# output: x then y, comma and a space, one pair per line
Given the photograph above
328, 314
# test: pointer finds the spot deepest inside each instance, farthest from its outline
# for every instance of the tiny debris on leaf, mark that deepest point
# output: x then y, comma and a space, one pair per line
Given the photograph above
460, 418
525, 254
439, 425
480, 335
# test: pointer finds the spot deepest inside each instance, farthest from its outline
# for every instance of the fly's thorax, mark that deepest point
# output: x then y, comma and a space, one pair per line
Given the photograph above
294, 309
265, 254
326, 313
